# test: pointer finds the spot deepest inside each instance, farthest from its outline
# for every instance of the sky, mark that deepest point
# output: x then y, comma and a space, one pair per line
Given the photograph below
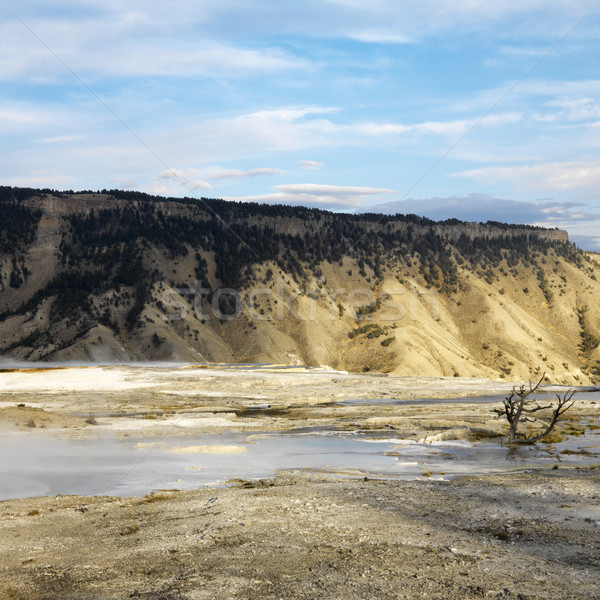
476, 109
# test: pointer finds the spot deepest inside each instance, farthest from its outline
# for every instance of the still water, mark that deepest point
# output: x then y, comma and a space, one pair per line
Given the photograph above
38, 466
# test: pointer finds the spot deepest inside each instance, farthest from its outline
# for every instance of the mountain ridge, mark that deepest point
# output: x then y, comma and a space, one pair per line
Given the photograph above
119, 275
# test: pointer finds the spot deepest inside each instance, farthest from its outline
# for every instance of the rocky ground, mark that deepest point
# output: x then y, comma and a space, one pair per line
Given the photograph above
529, 536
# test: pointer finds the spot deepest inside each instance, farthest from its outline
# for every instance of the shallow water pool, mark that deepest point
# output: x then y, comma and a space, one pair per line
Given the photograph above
39, 465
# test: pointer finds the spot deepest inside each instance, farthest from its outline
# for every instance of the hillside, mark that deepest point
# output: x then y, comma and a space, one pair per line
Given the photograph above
119, 276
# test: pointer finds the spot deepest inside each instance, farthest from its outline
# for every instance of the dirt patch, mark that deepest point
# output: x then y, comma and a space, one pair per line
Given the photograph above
21, 417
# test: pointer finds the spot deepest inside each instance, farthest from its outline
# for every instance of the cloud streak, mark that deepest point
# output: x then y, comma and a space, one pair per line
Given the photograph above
59, 139
93, 48
311, 165
235, 174
555, 176
334, 197
219, 39
188, 178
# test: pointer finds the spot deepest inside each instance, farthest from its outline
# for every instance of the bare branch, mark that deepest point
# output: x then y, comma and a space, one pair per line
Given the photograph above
536, 408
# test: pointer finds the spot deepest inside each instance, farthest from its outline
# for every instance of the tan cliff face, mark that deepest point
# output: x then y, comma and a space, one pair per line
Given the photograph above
56, 206
517, 309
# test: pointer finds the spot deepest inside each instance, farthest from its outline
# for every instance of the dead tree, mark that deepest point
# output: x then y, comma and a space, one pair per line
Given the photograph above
519, 409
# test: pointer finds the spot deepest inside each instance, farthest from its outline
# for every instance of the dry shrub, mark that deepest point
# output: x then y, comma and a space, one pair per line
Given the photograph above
130, 529
154, 497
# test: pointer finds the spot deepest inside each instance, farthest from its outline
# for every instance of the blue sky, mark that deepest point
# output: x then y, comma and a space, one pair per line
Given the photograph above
477, 109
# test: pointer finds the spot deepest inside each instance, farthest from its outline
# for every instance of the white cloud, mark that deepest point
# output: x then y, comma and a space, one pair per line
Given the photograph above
563, 88
379, 37
235, 174
196, 179
132, 48
20, 116
296, 128
336, 197
188, 178
253, 134
219, 38
575, 109
111, 149
156, 189
440, 128
125, 49
520, 51
555, 176
311, 165
291, 114
59, 139
337, 190
211, 59
453, 127
416, 19
500, 119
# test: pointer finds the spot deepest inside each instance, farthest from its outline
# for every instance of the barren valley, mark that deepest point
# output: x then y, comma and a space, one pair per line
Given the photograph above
424, 500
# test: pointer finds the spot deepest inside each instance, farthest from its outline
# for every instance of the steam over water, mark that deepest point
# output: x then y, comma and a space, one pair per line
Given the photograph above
47, 466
